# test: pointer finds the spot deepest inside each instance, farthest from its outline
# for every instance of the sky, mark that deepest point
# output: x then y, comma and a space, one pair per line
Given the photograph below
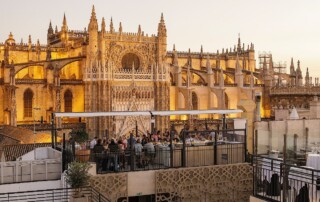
286, 28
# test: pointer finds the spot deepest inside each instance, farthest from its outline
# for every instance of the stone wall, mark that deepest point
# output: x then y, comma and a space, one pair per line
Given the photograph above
209, 183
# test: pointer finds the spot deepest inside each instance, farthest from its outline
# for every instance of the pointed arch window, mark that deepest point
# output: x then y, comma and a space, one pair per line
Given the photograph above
68, 101
27, 103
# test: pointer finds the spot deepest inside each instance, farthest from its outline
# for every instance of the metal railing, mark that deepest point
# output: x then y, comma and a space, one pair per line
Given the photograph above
277, 181
58, 195
228, 147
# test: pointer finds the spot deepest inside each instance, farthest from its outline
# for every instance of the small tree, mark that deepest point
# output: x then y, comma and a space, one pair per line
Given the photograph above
80, 136
77, 175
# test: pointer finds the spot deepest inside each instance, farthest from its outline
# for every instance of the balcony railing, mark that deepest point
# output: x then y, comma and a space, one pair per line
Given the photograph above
62, 194
229, 148
277, 181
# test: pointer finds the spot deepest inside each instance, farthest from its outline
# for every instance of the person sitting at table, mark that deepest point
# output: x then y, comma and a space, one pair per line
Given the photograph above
150, 151
149, 146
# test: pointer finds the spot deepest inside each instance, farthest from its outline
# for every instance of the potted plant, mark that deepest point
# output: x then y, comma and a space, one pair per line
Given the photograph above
81, 137
77, 176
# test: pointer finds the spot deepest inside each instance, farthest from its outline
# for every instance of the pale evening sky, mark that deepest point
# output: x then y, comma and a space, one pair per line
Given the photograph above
286, 28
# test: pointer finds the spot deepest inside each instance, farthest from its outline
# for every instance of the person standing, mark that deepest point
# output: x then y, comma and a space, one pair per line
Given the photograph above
93, 143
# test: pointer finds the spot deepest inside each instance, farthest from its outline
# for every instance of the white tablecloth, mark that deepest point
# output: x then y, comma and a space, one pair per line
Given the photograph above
313, 161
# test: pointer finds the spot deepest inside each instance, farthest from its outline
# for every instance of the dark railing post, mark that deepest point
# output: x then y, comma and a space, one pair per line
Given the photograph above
52, 130
171, 145
183, 155
245, 144
215, 147
284, 168
131, 152
64, 154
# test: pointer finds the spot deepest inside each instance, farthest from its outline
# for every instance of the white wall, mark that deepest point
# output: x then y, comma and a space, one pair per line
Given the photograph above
270, 134
141, 183
30, 186
42, 153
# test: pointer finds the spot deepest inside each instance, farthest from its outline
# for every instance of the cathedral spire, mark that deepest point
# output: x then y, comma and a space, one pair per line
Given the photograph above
93, 24
162, 19
56, 29
139, 30
120, 28
93, 14
298, 71
29, 40
111, 26
174, 47
292, 71
162, 30
239, 43
64, 23
50, 29
103, 25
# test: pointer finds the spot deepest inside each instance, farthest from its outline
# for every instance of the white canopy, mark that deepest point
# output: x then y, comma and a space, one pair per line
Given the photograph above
145, 113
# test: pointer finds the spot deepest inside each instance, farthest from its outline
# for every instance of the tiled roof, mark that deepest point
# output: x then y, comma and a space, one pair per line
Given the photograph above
12, 152
23, 135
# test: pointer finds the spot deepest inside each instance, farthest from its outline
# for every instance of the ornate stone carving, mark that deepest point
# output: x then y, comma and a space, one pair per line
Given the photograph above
212, 183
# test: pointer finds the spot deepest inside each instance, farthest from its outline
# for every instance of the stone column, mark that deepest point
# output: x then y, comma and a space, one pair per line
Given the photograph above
248, 107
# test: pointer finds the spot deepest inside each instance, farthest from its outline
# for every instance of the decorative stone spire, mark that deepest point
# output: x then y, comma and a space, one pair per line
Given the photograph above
103, 26
307, 78
29, 40
292, 71
111, 26
139, 30
201, 50
239, 43
50, 29
120, 28
175, 57
162, 30
298, 71
64, 23
93, 24
56, 29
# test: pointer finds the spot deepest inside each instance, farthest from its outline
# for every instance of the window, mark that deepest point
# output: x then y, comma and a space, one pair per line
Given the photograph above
129, 60
27, 103
68, 101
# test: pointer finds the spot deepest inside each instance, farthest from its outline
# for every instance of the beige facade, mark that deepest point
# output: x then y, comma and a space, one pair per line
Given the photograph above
100, 69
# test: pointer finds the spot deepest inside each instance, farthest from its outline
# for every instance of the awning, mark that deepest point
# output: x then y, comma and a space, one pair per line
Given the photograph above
145, 113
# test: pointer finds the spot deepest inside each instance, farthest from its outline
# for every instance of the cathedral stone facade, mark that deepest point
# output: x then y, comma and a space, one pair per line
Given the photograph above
104, 69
